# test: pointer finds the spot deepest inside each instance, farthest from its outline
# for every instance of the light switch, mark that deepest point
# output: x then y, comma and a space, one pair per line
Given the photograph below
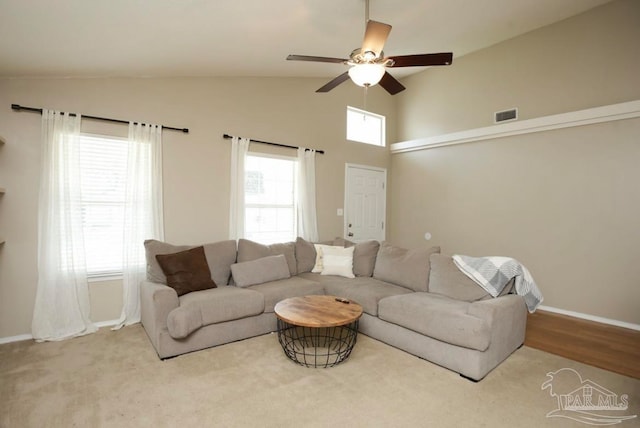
340, 212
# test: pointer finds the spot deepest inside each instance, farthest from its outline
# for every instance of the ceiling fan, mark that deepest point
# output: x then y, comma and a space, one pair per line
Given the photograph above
368, 63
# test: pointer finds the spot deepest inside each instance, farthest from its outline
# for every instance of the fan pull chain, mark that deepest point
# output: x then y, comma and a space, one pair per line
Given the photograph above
366, 87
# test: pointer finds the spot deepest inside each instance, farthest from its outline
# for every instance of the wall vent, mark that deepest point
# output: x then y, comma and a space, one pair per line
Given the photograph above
505, 115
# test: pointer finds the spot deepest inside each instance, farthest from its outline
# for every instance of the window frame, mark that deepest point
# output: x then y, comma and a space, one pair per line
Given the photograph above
293, 206
382, 131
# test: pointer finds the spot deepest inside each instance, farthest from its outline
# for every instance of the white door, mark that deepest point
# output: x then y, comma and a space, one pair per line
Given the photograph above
365, 203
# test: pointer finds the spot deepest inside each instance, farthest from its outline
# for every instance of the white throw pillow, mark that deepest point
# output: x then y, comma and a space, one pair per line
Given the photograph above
319, 254
338, 261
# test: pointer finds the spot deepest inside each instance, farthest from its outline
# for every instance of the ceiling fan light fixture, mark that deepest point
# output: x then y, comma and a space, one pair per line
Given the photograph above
366, 74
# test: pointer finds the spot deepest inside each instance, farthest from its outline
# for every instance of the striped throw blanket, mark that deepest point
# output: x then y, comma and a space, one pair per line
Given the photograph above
493, 273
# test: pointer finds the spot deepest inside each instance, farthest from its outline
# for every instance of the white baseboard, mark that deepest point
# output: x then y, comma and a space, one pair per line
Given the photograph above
109, 323
17, 338
22, 337
588, 317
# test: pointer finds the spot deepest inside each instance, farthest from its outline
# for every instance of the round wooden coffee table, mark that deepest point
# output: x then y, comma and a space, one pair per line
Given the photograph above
317, 331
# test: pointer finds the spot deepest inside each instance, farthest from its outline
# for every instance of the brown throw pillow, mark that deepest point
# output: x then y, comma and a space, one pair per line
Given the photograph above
220, 256
186, 271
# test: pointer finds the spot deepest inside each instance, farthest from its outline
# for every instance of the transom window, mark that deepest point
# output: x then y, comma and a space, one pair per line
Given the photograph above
270, 199
365, 127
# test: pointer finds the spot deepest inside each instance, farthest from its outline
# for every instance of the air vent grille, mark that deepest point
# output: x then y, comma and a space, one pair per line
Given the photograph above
505, 115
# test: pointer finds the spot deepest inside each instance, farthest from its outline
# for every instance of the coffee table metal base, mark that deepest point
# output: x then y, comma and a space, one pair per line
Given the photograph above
317, 346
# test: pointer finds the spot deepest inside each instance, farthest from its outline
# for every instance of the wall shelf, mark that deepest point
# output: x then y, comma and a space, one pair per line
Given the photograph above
607, 113
2, 189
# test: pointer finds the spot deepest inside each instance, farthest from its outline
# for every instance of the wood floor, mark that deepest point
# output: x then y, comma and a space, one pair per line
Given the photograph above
609, 347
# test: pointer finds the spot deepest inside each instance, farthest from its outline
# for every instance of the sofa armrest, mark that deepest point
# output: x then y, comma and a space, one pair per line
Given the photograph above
506, 316
156, 301
488, 309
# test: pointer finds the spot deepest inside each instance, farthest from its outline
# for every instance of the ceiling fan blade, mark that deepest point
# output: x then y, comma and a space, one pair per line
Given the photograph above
390, 83
316, 59
444, 58
335, 82
375, 37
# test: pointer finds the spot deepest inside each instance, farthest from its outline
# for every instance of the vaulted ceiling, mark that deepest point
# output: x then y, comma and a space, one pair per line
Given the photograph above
166, 38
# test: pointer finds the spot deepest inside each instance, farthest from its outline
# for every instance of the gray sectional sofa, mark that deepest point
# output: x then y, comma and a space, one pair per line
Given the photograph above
415, 300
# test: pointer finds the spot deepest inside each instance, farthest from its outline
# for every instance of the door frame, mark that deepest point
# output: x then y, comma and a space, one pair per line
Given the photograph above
346, 195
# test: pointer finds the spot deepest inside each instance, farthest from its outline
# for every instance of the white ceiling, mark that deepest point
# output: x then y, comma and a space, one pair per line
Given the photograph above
166, 38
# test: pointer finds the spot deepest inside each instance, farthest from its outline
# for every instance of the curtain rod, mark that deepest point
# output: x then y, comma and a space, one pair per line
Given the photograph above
18, 107
227, 137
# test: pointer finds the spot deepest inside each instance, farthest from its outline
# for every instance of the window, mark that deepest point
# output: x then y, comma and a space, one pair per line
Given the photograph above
103, 175
365, 127
270, 201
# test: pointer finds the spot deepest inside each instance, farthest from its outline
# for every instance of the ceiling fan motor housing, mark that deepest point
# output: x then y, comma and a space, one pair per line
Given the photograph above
369, 57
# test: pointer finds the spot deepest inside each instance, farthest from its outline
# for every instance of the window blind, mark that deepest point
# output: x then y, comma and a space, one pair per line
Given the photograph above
103, 163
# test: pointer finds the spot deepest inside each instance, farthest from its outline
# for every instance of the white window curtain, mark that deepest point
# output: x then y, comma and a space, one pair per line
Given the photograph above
307, 217
143, 212
62, 298
239, 149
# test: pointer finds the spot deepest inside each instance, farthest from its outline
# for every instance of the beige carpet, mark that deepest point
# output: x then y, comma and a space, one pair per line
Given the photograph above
115, 379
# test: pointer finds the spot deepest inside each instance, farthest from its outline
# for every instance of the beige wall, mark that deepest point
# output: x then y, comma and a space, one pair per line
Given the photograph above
196, 165
567, 202
585, 61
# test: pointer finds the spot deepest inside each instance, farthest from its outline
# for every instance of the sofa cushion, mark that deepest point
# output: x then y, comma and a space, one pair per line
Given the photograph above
337, 261
261, 270
295, 286
365, 291
364, 258
438, 317
249, 250
212, 306
446, 279
186, 271
305, 255
364, 255
317, 277
220, 256
408, 268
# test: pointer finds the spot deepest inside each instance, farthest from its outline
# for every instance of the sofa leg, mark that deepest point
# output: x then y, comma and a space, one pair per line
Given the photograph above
468, 378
